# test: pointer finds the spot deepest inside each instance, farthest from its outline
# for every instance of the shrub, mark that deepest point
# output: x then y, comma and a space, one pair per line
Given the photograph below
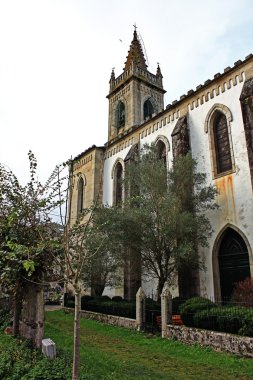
176, 303
53, 302
84, 300
117, 299
190, 307
235, 320
103, 298
243, 293
229, 319
5, 319
122, 309
70, 303
206, 319
247, 325
153, 303
18, 361
69, 300
45, 369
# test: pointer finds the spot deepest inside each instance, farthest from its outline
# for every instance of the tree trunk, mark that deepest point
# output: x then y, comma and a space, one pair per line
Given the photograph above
40, 313
32, 324
160, 286
17, 308
76, 355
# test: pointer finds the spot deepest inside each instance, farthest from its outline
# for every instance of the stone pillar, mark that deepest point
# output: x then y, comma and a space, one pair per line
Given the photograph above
32, 323
166, 309
140, 309
246, 100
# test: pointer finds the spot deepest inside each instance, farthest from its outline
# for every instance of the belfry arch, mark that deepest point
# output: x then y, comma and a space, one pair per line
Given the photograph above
232, 261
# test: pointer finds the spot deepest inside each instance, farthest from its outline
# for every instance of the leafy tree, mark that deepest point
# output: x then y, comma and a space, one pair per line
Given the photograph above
163, 216
31, 247
90, 260
104, 268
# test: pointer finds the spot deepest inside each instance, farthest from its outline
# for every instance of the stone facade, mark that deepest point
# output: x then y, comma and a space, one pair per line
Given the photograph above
186, 124
87, 166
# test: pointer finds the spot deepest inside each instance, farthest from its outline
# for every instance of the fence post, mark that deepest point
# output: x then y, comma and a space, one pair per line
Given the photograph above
166, 308
140, 309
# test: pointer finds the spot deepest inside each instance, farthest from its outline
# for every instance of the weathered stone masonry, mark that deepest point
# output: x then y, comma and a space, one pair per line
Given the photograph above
246, 100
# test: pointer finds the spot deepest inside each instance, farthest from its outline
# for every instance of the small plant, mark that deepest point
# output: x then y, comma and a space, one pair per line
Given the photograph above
19, 361
243, 293
5, 319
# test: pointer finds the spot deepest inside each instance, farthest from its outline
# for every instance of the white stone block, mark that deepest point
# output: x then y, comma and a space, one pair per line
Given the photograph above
48, 348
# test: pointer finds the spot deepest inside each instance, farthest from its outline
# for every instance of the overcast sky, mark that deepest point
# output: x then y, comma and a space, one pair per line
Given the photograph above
56, 58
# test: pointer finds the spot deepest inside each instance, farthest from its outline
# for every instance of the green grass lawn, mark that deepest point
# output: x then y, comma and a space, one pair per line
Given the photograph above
113, 353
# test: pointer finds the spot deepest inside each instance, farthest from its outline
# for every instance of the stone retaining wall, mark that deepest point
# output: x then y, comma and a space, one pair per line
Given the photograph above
233, 344
109, 319
230, 343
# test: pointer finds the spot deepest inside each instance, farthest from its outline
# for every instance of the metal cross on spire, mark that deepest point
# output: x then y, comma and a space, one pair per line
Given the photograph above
135, 26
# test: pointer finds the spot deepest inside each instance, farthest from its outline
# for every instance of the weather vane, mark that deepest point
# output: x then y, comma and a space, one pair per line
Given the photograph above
135, 26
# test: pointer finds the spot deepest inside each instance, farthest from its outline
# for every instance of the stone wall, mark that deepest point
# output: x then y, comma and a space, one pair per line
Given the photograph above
108, 319
230, 343
233, 344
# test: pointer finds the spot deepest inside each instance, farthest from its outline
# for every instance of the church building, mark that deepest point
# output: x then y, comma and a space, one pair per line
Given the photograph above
215, 123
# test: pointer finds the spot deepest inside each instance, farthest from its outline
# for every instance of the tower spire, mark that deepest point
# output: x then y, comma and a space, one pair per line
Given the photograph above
135, 53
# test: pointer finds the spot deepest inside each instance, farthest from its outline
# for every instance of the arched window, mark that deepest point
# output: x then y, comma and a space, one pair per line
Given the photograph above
118, 186
222, 145
218, 126
80, 196
161, 151
233, 260
148, 109
120, 115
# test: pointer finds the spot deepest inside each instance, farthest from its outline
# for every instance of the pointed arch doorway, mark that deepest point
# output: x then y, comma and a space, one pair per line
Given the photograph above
232, 262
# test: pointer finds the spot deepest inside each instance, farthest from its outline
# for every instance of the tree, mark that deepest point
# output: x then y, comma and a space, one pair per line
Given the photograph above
89, 258
163, 216
31, 247
34, 250
104, 268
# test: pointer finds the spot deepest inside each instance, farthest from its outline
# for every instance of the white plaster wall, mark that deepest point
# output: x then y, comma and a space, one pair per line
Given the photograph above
239, 214
161, 131
108, 171
242, 214
148, 138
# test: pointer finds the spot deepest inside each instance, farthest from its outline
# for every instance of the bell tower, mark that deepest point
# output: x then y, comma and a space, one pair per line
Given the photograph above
136, 95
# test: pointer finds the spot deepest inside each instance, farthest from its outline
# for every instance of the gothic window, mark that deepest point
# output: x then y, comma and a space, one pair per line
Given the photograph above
233, 260
161, 151
120, 115
148, 109
218, 126
222, 145
80, 196
118, 186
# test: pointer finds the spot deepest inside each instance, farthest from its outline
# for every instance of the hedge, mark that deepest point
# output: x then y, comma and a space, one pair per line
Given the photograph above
193, 305
235, 320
